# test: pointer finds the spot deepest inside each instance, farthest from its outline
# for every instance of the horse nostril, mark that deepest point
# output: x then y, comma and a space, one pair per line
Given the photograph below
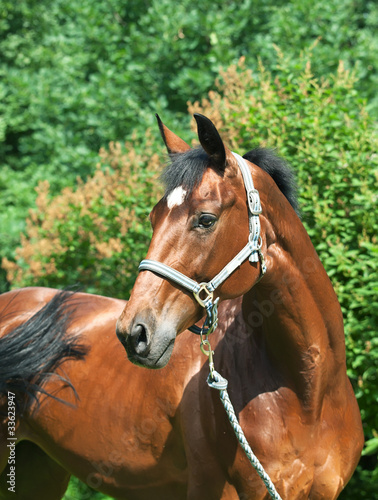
140, 341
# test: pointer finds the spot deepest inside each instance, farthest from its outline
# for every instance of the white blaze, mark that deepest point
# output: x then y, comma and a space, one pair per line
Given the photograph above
176, 197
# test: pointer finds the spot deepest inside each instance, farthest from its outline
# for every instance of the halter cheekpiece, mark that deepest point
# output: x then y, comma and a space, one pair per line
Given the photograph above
203, 292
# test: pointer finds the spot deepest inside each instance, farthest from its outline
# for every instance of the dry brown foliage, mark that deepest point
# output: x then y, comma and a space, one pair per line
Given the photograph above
94, 217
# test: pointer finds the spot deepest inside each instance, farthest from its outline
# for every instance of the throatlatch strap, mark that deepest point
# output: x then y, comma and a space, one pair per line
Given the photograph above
254, 207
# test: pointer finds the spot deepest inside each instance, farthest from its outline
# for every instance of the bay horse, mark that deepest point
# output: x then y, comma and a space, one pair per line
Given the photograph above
82, 408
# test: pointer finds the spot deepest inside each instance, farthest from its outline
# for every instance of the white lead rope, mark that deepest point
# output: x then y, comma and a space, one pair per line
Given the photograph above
216, 381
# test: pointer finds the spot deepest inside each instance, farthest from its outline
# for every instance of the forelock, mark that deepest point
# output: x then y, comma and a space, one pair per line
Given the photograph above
185, 170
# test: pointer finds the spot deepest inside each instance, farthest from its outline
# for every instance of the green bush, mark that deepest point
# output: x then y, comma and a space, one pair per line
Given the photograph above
80, 491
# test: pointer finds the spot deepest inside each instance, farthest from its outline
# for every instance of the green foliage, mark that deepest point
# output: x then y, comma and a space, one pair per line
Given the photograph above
347, 31
79, 491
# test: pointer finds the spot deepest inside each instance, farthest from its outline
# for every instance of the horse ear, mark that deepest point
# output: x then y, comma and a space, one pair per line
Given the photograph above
211, 141
173, 143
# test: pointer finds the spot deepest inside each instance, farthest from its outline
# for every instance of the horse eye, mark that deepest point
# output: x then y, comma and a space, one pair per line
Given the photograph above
206, 221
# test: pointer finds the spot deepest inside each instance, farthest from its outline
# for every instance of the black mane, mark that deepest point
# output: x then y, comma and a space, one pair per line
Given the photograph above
279, 170
186, 170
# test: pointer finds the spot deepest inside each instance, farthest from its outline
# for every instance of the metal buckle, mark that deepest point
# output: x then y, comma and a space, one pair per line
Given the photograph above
205, 301
252, 240
254, 202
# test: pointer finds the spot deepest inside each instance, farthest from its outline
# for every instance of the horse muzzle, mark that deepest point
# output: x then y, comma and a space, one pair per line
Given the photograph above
146, 342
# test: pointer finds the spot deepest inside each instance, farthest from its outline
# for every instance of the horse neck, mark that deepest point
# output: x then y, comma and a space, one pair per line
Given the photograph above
295, 311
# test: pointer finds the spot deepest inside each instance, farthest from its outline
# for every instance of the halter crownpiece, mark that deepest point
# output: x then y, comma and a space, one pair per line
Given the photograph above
252, 250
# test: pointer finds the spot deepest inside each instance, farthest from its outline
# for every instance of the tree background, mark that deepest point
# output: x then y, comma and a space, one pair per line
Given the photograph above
79, 77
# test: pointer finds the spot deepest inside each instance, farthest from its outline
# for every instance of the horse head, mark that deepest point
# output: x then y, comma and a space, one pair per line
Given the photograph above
199, 226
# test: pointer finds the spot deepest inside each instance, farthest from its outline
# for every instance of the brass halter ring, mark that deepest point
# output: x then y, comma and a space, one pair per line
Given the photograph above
205, 301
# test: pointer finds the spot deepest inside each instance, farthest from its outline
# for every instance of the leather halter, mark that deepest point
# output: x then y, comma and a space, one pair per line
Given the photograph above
203, 292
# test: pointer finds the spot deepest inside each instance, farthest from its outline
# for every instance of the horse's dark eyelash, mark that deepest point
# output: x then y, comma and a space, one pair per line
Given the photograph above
197, 224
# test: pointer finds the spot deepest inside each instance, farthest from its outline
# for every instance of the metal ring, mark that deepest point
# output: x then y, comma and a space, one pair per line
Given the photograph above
203, 288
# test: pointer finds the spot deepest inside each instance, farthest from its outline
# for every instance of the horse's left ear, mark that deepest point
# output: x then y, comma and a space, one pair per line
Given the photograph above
172, 141
211, 141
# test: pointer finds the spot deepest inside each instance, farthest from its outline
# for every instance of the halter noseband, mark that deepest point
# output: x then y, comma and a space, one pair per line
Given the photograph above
203, 292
